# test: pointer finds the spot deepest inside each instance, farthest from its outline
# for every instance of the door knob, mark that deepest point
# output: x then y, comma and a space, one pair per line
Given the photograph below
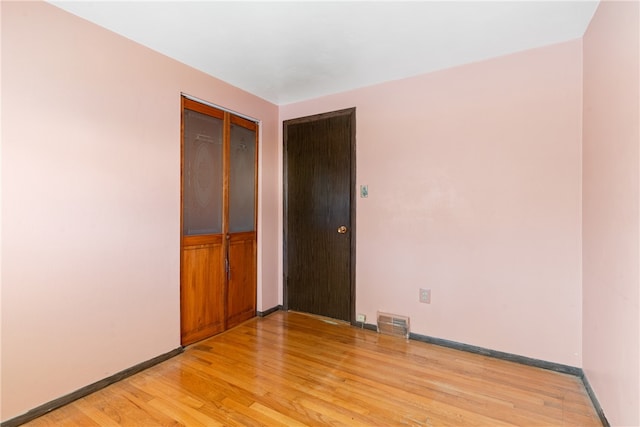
342, 229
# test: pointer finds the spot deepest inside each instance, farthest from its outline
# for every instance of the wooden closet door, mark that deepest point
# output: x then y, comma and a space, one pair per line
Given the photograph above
202, 296
218, 238
241, 236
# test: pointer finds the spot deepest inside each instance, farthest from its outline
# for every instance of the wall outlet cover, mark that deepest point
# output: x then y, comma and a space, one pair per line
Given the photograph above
425, 296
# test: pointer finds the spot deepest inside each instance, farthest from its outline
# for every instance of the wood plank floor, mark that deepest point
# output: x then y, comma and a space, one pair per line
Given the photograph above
291, 369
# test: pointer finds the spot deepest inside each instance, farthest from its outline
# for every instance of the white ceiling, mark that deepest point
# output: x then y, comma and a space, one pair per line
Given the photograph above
291, 51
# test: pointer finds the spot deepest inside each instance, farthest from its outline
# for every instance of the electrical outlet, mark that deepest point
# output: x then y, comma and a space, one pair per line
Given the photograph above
425, 296
361, 318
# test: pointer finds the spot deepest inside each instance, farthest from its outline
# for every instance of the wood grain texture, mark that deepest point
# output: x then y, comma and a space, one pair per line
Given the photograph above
291, 369
241, 293
218, 271
318, 196
202, 299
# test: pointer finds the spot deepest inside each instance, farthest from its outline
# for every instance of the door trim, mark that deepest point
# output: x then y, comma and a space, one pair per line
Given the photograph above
351, 112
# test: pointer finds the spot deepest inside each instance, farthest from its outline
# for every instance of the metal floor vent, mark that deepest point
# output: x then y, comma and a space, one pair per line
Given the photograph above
393, 324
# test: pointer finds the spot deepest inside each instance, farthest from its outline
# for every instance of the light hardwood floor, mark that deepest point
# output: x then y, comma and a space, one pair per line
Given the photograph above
291, 369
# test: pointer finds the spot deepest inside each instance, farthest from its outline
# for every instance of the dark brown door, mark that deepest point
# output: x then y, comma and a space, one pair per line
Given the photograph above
319, 167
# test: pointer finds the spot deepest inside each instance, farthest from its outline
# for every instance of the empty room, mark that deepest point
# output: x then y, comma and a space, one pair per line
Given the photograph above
364, 213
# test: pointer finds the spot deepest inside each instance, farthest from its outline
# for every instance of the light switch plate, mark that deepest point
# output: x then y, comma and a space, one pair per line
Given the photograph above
425, 296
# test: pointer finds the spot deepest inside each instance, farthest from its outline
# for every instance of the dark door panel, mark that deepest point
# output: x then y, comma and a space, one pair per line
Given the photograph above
319, 163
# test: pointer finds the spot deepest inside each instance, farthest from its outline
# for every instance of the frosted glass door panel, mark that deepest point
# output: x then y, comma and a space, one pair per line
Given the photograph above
202, 192
242, 179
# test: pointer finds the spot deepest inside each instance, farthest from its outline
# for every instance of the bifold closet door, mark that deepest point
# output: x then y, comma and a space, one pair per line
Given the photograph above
218, 239
241, 249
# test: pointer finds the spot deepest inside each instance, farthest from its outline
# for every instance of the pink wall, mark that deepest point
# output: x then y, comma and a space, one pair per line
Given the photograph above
611, 146
90, 201
474, 178
474, 192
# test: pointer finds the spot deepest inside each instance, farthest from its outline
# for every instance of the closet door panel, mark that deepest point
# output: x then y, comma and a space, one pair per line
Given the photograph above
202, 297
242, 179
241, 294
202, 174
